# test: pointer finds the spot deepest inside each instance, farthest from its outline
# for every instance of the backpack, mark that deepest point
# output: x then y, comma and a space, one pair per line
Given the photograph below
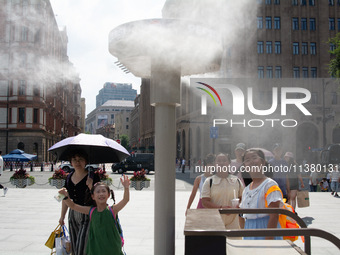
119, 228
284, 220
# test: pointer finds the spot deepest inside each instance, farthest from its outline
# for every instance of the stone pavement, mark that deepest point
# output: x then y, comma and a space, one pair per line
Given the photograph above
27, 217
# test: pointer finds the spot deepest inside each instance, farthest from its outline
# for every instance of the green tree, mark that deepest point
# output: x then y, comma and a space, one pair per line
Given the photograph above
124, 141
334, 65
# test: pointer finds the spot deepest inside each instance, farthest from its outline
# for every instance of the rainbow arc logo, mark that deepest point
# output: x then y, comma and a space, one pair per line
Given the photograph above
209, 93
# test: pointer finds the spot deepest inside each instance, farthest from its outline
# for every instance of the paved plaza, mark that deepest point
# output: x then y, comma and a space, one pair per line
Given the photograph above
27, 216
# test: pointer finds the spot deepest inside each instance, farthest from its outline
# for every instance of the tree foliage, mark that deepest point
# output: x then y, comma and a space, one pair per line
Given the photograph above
124, 141
334, 65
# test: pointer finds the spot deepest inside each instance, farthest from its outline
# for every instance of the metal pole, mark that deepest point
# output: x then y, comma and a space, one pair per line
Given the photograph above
165, 96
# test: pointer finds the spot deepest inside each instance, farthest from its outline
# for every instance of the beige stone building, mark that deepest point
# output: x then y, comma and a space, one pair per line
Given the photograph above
39, 87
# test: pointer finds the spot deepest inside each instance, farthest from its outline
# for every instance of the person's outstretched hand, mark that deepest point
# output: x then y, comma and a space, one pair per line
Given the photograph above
125, 181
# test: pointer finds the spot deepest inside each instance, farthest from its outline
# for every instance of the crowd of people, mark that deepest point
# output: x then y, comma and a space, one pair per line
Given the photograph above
250, 182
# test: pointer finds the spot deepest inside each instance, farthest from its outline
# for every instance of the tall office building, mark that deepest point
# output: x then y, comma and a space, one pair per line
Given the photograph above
266, 41
39, 87
115, 91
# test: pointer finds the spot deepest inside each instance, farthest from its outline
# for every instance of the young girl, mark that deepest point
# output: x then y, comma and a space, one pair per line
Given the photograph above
199, 181
104, 238
258, 194
222, 188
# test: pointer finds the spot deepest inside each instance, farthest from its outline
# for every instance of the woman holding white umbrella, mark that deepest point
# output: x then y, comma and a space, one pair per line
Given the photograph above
78, 185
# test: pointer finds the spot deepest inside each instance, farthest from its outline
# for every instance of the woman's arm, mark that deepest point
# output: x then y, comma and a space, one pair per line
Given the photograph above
273, 218
72, 205
301, 181
120, 205
64, 208
193, 192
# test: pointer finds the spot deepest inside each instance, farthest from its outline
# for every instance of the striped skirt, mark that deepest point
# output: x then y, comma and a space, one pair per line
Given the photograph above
78, 226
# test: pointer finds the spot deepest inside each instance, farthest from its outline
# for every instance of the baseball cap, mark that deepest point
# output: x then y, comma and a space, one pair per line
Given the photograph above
277, 145
288, 154
241, 146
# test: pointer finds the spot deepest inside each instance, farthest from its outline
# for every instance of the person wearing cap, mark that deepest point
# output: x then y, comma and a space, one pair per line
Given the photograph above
236, 163
294, 176
279, 165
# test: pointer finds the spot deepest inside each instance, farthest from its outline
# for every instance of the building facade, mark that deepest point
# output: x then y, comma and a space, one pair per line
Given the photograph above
115, 91
272, 42
39, 87
107, 114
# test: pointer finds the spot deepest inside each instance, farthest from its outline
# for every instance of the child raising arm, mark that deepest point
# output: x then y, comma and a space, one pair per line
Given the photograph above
104, 236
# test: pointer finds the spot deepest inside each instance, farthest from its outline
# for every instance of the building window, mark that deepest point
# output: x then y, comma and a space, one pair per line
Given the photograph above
259, 22
334, 98
294, 2
36, 90
305, 72
277, 2
269, 72
331, 24
311, 2
260, 72
339, 23
21, 115
23, 60
269, 22
268, 1
127, 119
10, 116
259, 47
259, 2
313, 72
35, 115
312, 24
331, 46
269, 47
24, 31
261, 96
313, 48
295, 48
303, 2
314, 98
277, 23
269, 97
338, 2
112, 116
296, 72
278, 72
331, 2
277, 47
24, 8
303, 23
127, 126
304, 48
22, 88
295, 23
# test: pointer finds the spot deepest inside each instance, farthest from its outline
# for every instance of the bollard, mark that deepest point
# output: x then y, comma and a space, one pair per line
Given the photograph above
31, 167
104, 167
42, 167
51, 167
11, 167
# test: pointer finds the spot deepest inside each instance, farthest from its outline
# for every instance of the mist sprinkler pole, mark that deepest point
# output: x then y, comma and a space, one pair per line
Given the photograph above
165, 96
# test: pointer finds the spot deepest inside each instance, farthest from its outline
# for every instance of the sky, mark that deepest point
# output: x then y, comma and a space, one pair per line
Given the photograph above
88, 24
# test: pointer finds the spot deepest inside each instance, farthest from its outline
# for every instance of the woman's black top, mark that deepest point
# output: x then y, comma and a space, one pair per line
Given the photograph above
79, 193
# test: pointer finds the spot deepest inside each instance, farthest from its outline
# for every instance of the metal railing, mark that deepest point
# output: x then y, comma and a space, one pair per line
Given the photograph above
303, 231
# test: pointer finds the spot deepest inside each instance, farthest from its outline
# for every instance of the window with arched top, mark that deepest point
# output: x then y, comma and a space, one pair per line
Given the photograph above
21, 146
35, 148
24, 8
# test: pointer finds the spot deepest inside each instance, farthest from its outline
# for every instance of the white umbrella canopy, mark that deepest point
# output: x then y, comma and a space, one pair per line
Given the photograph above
99, 148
